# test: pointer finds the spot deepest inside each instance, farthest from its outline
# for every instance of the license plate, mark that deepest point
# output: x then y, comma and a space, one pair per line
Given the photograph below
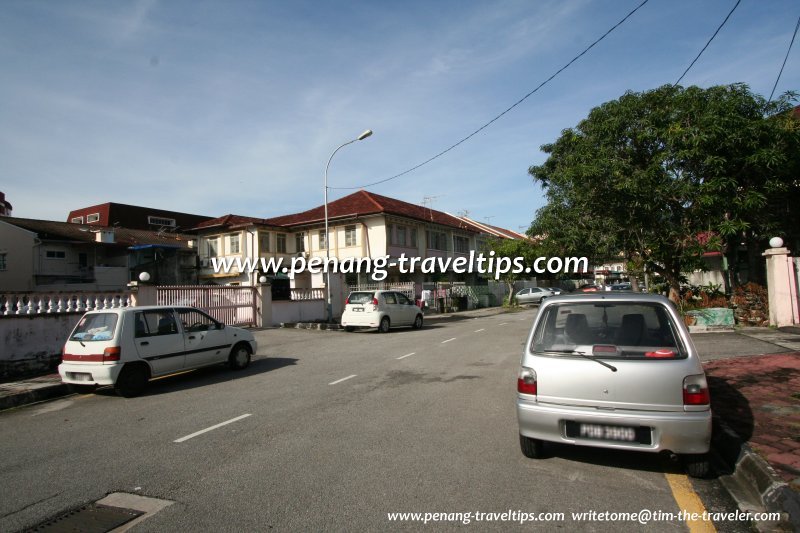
358, 309
602, 432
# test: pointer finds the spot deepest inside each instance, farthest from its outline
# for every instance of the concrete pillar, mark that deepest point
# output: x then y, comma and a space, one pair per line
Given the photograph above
142, 294
264, 305
781, 287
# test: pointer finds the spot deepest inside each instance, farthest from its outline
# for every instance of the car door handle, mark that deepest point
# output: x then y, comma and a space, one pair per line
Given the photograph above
191, 337
144, 343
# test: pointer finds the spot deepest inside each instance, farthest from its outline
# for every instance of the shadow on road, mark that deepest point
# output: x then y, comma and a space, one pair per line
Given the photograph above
208, 376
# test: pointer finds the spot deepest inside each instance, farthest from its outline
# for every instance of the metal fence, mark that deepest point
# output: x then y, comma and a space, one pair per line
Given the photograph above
232, 305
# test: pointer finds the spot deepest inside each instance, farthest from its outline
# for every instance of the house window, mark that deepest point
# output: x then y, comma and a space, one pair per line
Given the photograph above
437, 240
300, 242
390, 234
401, 236
323, 240
461, 244
55, 254
349, 235
280, 245
213, 247
264, 238
3, 264
94, 217
413, 237
234, 244
160, 221
76, 220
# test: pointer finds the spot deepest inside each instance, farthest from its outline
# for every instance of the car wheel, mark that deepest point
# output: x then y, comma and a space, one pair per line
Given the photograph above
132, 381
531, 448
240, 357
418, 322
82, 389
697, 466
349, 329
385, 323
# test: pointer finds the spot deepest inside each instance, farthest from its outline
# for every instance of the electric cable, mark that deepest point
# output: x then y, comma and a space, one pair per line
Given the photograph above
708, 43
495, 119
784, 60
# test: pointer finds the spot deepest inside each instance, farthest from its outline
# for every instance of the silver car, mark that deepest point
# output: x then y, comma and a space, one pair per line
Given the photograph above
614, 370
532, 295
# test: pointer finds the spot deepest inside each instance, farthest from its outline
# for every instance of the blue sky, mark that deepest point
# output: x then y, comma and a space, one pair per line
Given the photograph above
215, 107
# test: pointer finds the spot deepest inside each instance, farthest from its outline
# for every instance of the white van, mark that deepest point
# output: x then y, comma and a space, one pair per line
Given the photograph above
126, 347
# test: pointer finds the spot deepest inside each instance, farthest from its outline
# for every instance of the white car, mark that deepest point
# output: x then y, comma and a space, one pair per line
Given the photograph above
533, 295
126, 347
380, 309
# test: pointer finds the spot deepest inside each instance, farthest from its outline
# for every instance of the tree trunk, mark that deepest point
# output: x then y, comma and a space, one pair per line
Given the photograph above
510, 292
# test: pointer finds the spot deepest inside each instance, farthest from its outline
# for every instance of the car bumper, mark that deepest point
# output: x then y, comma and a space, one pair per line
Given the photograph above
678, 432
361, 320
84, 374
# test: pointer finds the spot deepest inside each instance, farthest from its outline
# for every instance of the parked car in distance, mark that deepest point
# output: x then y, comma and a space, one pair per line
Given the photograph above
125, 347
532, 295
614, 370
383, 309
591, 287
620, 287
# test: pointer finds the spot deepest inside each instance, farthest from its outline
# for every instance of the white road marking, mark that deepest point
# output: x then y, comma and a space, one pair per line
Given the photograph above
502, 323
343, 379
448, 340
196, 433
479, 330
406, 355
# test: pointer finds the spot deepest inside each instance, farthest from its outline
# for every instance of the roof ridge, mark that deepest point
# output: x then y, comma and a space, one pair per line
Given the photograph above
371, 199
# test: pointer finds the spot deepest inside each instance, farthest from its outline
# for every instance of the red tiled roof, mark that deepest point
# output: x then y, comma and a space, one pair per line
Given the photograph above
367, 203
229, 221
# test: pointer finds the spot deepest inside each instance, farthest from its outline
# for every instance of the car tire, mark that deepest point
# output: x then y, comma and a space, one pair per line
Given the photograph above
82, 389
531, 448
697, 466
349, 329
384, 325
239, 357
418, 322
132, 381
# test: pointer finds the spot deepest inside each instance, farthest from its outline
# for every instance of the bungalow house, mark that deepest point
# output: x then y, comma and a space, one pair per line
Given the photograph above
361, 225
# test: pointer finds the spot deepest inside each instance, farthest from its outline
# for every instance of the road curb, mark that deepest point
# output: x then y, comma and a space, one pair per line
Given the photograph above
753, 483
33, 395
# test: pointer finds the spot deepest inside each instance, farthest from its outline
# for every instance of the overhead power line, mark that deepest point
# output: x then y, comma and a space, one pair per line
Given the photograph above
709, 42
518, 102
784, 60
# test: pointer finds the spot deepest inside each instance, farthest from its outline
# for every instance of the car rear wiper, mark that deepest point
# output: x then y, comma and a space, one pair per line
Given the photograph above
589, 357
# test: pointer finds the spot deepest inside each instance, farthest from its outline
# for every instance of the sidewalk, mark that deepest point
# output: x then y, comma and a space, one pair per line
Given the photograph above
754, 378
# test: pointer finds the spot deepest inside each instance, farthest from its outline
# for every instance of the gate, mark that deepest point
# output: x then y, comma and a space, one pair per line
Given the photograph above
233, 305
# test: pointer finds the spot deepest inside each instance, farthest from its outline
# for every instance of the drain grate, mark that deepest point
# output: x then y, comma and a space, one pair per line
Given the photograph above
92, 518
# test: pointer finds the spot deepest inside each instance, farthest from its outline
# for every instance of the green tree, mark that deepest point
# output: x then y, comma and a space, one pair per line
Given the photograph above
666, 175
527, 250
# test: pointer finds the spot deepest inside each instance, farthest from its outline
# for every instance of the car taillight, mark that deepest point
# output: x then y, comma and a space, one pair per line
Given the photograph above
526, 381
375, 302
112, 354
695, 390
347, 300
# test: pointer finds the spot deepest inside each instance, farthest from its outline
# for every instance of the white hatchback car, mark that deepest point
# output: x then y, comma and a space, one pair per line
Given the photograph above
614, 370
126, 347
380, 309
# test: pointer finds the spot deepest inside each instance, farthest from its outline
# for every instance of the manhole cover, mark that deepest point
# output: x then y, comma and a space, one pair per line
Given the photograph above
92, 518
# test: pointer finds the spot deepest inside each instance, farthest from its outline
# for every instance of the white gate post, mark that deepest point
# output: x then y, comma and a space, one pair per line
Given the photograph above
264, 302
781, 286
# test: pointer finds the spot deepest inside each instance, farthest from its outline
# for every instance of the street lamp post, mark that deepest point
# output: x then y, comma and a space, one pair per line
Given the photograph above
329, 309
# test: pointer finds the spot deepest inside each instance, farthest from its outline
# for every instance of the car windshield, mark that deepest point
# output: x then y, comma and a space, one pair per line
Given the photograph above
95, 327
626, 330
360, 298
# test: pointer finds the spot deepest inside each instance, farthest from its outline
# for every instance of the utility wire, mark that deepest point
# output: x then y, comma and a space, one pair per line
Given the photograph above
518, 102
708, 43
784, 61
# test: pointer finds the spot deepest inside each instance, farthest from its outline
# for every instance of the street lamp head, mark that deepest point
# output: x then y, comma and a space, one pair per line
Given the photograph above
364, 135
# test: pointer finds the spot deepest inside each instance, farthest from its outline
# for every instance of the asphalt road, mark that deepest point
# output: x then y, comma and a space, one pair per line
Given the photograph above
342, 429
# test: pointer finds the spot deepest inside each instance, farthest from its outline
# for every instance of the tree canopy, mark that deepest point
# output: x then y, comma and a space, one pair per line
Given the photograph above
665, 175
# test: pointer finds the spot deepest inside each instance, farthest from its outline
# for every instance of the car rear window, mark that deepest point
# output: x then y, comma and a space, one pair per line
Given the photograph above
639, 330
360, 298
95, 327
